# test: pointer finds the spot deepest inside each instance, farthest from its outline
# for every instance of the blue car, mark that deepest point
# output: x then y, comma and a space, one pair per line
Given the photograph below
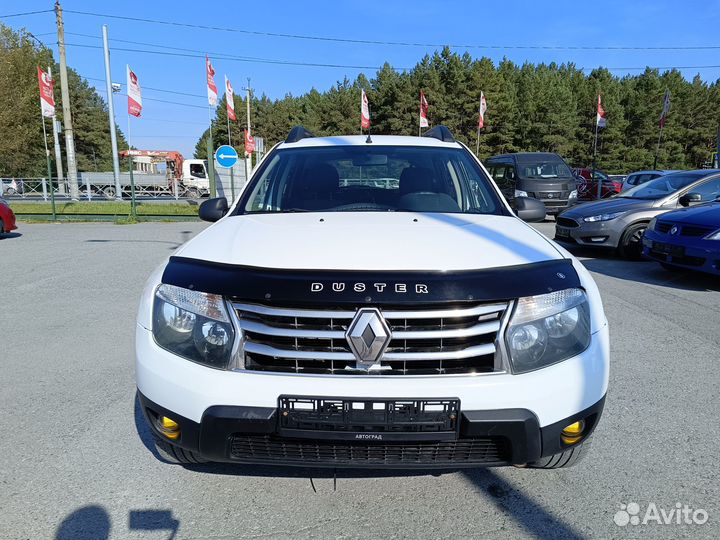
686, 239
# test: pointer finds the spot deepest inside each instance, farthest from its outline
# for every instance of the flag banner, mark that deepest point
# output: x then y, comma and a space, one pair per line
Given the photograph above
423, 110
230, 98
364, 111
133, 93
483, 108
666, 108
249, 143
47, 98
211, 88
600, 120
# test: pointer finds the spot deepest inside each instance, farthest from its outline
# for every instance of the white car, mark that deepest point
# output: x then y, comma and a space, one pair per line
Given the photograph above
372, 302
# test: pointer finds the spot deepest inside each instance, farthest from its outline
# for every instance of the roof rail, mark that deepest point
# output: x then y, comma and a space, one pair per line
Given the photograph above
440, 133
298, 133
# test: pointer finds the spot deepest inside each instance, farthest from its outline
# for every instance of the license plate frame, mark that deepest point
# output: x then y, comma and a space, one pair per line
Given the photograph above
562, 232
669, 249
369, 419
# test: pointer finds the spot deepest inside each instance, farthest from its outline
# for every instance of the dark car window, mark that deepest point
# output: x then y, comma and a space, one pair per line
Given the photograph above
709, 190
660, 187
366, 179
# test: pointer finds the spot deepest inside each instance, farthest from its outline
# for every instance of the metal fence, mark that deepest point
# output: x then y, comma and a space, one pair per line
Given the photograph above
101, 186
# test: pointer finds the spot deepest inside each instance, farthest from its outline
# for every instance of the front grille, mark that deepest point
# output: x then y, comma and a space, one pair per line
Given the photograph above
663, 226
446, 340
566, 222
553, 195
685, 230
283, 450
694, 230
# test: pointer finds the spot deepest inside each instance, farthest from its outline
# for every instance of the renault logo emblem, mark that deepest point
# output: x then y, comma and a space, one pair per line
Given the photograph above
368, 336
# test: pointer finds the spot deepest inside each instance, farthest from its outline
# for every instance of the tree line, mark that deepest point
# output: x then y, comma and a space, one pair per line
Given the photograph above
544, 107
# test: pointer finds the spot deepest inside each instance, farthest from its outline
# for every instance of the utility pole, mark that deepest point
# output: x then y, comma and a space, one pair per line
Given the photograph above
248, 157
111, 115
67, 116
56, 144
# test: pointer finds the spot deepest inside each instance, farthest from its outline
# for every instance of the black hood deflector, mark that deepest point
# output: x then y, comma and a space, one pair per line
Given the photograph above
321, 287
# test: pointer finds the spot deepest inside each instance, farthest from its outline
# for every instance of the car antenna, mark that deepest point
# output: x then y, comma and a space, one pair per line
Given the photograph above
368, 140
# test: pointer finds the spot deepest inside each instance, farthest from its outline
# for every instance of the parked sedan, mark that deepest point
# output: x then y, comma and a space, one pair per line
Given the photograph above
686, 238
619, 222
7, 218
640, 177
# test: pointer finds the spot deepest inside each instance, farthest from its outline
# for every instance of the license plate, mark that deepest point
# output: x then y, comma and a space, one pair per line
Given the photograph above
562, 232
669, 249
368, 420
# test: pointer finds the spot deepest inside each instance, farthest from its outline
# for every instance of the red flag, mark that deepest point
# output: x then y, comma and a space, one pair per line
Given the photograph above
230, 99
600, 120
423, 110
364, 111
211, 88
133, 93
47, 98
249, 143
666, 108
483, 108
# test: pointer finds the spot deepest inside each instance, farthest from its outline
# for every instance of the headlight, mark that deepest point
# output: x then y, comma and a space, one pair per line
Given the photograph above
194, 325
548, 328
651, 225
573, 194
603, 217
520, 193
713, 236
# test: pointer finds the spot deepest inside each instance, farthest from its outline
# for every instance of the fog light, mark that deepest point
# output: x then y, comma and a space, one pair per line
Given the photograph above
573, 433
598, 239
169, 428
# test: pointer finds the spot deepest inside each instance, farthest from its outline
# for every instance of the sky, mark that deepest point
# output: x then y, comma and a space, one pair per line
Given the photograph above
495, 29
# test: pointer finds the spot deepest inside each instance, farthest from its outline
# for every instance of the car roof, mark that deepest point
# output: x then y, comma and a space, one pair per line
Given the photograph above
700, 173
660, 171
361, 140
526, 154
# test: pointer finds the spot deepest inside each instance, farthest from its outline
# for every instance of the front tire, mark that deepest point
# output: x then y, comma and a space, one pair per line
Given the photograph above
175, 454
630, 246
562, 460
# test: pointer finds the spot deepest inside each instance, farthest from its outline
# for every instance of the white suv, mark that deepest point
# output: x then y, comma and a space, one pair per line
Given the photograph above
372, 302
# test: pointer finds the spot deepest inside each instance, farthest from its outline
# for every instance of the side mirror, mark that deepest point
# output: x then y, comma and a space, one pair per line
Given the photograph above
690, 198
529, 209
213, 209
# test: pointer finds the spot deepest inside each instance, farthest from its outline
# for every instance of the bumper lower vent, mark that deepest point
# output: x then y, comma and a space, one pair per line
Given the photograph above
279, 450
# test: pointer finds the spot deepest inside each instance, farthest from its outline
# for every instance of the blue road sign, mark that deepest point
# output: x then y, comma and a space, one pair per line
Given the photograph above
226, 156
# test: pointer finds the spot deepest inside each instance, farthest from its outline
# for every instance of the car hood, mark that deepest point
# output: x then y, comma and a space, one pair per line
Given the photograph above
608, 206
371, 241
706, 214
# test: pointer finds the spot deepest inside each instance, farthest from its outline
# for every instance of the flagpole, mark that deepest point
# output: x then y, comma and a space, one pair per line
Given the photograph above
420, 117
477, 144
657, 148
133, 212
599, 191
49, 168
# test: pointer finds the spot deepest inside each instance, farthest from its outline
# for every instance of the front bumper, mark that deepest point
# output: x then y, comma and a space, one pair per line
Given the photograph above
598, 233
232, 415
487, 438
693, 254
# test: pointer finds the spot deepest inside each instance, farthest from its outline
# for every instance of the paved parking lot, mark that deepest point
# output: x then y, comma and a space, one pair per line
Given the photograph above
76, 458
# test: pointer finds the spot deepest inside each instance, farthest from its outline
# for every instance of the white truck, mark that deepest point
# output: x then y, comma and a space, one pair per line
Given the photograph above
160, 173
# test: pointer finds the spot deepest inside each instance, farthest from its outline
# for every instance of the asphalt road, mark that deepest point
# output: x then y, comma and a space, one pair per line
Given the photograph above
75, 460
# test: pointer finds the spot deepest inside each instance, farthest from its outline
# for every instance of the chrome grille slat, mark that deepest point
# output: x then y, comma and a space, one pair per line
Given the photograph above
436, 340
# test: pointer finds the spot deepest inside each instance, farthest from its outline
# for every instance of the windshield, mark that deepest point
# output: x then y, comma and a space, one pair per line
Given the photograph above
660, 187
371, 178
540, 168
